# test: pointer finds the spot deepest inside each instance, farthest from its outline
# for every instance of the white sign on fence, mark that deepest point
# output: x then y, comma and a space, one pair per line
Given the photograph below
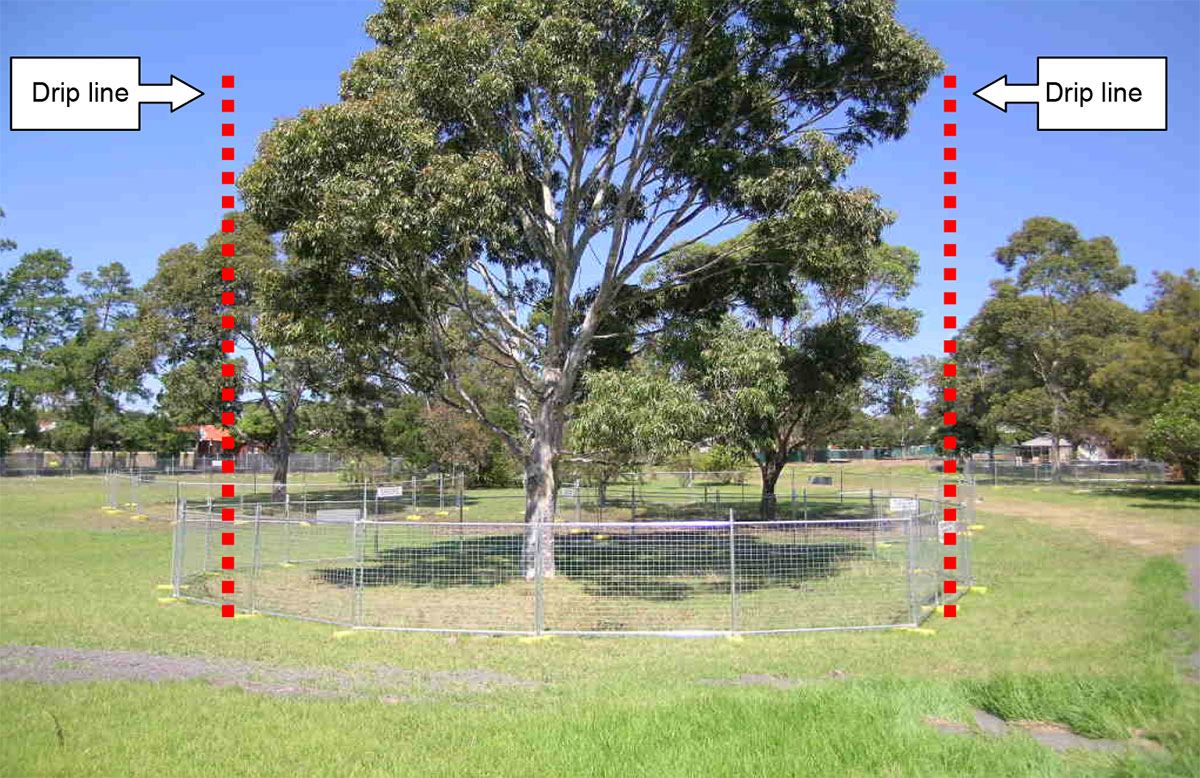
904, 506
947, 526
389, 491
569, 491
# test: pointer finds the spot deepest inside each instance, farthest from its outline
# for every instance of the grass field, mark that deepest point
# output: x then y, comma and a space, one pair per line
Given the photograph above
1084, 624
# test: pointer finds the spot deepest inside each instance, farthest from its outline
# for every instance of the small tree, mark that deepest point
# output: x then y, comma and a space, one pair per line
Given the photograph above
632, 417
1174, 433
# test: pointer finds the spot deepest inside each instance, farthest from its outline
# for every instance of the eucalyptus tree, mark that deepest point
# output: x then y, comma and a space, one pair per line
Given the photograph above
546, 154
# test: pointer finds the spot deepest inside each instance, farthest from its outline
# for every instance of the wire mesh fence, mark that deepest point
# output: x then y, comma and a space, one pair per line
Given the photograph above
996, 471
680, 566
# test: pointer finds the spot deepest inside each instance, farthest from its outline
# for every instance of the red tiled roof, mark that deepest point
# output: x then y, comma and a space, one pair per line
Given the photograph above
207, 431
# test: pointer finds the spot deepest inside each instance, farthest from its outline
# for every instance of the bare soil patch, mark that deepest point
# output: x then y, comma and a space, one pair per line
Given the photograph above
48, 664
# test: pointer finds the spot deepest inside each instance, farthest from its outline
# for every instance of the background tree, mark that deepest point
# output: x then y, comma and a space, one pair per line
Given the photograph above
1174, 432
36, 315
1163, 350
501, 144
185, 317
103, 362
1046, 331
631, 417
791, 362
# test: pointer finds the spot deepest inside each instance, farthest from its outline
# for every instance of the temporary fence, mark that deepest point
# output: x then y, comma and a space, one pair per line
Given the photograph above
996, 471
156, 496
666, 564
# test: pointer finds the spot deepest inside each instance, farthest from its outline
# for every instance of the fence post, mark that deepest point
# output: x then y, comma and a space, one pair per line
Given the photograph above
911, 525
441, 491
256, 570
539, 603
733, 624
578, 499
632, 502
805, 503
414, 491
207, 531
177, 549
841, 485
357, 539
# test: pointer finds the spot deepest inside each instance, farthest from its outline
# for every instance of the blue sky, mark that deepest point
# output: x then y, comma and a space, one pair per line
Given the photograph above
129, 196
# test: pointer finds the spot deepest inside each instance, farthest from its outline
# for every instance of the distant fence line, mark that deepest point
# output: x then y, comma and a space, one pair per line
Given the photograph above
70, 463
996, 471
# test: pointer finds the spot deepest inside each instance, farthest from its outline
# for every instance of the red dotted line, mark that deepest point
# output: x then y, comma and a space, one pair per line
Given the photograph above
228, 370
950, 322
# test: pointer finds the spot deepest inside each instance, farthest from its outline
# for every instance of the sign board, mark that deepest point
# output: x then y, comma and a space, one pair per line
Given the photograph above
947, 526
389, 491
903, 506
821, 480
569, 491
339, 514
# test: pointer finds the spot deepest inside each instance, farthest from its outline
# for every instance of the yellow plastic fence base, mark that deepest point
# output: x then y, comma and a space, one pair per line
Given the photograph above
168, 600
343, 634
247, 615
916, 630
535, 639
977, 590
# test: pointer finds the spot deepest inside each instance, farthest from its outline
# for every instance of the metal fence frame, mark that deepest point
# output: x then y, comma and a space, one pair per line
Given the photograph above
918, 568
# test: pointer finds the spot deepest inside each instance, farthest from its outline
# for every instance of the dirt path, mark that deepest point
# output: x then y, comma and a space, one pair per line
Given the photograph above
1191, 560
45, 664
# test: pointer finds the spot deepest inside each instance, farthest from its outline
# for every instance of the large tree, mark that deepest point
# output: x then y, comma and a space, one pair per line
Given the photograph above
1048, 328
546, 153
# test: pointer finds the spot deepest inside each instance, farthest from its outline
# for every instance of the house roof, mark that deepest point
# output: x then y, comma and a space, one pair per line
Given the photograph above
207, 431
1045, 441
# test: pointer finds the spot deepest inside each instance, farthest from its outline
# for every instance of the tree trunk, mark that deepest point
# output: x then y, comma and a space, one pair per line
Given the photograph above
541, 497
279, 478
771, 470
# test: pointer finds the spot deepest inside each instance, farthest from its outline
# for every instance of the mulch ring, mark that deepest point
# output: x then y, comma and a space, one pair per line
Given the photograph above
46, 664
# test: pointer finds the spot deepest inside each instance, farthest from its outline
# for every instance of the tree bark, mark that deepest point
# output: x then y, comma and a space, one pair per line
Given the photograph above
771, 469
279, 477
541, 496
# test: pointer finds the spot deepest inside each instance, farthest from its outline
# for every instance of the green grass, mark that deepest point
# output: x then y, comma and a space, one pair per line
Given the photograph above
1073, 629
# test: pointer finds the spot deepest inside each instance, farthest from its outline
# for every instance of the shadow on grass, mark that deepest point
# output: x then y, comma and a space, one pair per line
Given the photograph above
653, 565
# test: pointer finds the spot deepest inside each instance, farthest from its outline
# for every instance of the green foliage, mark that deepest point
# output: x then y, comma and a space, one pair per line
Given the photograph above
1026, 361
103, 361
36, 315
633, 417
1174, 432
184, 322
